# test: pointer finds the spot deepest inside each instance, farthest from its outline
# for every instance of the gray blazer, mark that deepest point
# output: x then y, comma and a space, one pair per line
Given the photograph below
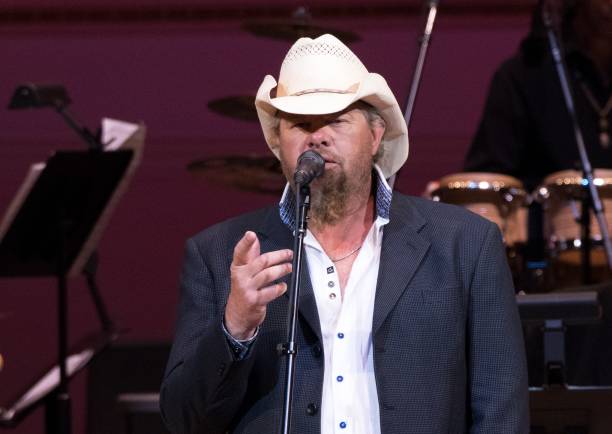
448, 347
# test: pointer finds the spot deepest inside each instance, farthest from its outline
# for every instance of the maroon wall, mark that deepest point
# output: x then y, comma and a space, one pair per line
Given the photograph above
162, 69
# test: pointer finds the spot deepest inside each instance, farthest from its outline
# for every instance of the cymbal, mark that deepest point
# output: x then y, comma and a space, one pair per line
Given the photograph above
255, 173
300, 25
291, 30
240, 107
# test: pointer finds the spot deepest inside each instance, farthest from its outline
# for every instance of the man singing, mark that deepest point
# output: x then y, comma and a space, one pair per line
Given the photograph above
407, 321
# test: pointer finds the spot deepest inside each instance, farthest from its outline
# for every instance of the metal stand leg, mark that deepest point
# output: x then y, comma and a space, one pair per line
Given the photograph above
554, 353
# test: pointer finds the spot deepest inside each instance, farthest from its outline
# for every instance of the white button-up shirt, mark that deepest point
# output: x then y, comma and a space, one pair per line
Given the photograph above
350, 401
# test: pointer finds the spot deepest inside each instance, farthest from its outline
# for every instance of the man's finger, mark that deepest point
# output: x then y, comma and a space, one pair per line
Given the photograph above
270, 274
270, 293
247, 249
270, 259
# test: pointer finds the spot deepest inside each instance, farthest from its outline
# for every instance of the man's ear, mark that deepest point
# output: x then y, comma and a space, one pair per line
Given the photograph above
275, 136
378, 131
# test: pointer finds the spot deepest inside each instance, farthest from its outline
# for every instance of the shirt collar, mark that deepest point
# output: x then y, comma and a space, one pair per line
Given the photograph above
383, 197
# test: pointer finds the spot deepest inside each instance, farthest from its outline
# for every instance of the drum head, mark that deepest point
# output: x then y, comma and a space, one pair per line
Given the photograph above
569, 184
472, 187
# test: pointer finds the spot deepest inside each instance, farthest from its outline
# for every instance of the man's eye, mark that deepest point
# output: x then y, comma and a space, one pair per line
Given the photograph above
301, 125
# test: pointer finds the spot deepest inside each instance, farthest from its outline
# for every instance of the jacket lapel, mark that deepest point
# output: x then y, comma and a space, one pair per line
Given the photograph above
274, 235
403, 249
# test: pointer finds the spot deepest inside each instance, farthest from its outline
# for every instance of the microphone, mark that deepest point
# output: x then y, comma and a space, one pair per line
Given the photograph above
310, 165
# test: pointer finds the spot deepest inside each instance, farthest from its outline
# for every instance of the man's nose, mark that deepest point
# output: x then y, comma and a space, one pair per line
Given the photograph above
318, 138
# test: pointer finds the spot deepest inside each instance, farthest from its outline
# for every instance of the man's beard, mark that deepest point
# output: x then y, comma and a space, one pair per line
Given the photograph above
328, 202
330, 194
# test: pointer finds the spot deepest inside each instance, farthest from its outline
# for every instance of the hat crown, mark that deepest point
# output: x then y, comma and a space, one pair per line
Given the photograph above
324, 63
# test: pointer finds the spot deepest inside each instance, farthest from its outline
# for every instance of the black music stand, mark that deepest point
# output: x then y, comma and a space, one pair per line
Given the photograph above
43, 388
52, 225
556, 407
554, 312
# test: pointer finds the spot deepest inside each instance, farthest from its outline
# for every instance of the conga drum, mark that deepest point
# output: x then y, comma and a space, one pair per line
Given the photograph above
496, 197
561, 196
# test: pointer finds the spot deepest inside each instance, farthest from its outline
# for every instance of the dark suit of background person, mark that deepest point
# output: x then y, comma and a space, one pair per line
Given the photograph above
448, 355
526, 132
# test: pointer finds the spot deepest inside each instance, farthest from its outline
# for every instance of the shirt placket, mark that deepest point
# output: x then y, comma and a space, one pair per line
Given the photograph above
341, 360
342, 324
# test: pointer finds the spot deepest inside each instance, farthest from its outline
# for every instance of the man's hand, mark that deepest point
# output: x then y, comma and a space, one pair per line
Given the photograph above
251, 275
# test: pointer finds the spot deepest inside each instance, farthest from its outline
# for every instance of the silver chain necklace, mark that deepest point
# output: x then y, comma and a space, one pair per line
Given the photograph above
604, 132
345, 256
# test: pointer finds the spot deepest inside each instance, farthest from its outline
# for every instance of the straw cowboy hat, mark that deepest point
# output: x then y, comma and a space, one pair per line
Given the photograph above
322, 76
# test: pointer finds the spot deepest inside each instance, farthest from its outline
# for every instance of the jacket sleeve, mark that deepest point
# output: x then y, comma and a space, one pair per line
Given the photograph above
204, 384
497, 370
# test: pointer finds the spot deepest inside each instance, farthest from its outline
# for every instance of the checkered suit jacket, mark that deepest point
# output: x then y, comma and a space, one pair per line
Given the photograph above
447, 341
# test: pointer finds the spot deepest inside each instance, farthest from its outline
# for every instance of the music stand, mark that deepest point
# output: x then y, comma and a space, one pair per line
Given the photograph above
51, 228
556, 406
42, 389
555, 311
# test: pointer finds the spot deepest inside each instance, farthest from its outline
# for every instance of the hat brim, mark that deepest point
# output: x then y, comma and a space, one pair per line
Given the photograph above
373, 90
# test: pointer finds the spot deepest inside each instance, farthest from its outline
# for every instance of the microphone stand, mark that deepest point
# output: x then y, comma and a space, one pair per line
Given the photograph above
424, 45
289, 349
418, 69
591, 196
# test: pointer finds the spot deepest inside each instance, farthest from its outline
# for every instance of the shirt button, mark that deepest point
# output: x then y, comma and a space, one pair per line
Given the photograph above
332, 295
312, 409
342, 424
330, 284
339, 378
221, 370
341, 335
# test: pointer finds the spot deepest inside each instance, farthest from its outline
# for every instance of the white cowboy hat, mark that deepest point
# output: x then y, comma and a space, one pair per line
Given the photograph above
322, 76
